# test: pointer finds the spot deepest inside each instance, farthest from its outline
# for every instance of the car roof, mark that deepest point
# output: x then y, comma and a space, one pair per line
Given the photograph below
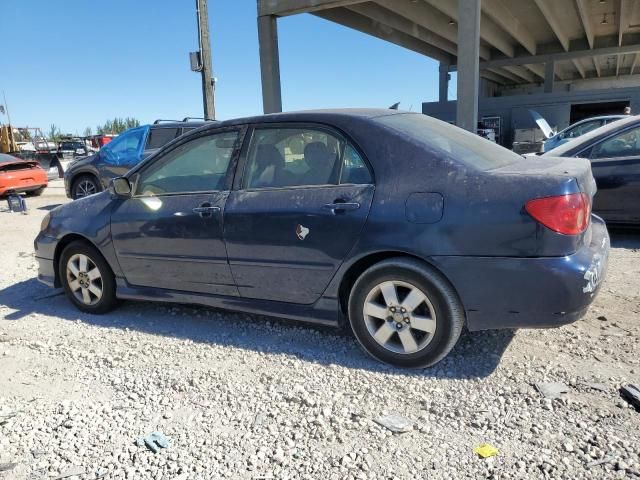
593, 135
320, 116
178, 124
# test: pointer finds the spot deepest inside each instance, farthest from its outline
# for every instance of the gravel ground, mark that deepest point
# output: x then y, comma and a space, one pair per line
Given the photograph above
248, 397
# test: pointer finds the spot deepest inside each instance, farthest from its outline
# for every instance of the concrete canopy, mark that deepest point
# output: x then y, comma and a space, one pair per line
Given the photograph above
519, 42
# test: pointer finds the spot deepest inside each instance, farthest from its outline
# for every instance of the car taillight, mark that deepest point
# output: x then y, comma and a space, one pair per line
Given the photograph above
567, 214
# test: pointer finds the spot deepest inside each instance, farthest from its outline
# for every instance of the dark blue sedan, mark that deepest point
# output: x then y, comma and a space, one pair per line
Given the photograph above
401, 225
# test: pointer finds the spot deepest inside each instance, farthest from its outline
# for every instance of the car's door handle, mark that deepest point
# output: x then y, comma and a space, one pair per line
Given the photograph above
342, 206
206, 210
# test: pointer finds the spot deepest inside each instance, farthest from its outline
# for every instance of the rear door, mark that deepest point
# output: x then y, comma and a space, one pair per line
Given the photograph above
301, 200
615, 162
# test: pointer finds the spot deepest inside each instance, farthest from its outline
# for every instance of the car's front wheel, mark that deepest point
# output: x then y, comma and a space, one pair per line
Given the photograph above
405, 313
87, 278
84, 186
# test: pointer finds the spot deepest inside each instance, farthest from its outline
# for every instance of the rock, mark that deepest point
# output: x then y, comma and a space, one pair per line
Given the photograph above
552, 390
395, 422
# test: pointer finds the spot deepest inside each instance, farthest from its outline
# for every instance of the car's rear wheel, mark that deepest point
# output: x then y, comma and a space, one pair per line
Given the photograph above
405, 313
84, 186
87, 278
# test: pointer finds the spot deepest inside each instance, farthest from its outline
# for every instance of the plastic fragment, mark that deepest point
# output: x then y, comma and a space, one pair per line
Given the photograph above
486, 450
154, 441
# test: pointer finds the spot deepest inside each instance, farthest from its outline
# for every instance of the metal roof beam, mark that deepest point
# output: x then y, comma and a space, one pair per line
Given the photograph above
498, 11
489, 31
402, 24
428, 18
358, 22
282, 8
583, 10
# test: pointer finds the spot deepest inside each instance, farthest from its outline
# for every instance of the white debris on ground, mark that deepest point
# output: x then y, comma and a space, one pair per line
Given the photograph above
247, 397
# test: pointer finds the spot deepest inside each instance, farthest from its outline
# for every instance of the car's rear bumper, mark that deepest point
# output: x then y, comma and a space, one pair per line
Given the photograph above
24, 188
500, 292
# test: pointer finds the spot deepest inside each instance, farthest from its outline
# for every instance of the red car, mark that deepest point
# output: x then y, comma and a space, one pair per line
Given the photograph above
21, 176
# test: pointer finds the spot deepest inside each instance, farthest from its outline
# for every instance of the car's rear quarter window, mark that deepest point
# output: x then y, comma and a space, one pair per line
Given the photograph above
462, 146
159, 137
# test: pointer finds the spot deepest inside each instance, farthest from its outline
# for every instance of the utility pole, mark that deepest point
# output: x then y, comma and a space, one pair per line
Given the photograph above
208, 85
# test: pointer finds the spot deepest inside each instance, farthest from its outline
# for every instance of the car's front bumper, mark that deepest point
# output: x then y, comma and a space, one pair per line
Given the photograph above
499, 292
45, 248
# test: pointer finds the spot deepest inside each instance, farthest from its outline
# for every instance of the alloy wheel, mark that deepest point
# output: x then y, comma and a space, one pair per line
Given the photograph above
84, 279
85, 188
399, 317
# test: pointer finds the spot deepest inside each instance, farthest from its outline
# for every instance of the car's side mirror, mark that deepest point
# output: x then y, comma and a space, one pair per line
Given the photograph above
120, 187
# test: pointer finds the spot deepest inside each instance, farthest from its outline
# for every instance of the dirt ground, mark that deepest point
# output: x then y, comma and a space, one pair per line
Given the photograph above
242, 396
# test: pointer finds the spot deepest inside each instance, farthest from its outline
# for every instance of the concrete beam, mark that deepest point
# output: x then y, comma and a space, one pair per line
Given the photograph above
633, 64
489, 31
549, 70
468, 59
269, 64
499, 12
579, 67
522, 73
596, 64
494, 77
537, 69
556, 56
583, 10
443, 83
358, 22
554, 23
282, 8
404, 25
428, 18
503, 72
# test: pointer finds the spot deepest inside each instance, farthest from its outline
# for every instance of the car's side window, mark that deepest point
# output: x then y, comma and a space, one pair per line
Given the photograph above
287, 157
200, 165
291, 157
354, 170
125, 148
624, 144
159, 137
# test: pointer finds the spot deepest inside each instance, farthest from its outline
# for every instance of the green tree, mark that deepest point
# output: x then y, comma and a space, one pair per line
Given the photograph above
117, 125
54, 133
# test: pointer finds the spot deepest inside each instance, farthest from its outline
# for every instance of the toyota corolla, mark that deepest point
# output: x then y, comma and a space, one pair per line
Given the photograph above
400, 225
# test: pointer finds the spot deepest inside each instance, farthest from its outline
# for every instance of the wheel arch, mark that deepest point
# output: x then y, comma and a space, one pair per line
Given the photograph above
62, 244
358, 267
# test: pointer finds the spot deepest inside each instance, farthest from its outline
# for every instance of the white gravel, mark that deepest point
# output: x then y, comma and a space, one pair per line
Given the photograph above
247, 397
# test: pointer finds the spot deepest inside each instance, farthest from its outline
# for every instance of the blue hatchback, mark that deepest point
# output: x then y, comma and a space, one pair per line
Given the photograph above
401, 225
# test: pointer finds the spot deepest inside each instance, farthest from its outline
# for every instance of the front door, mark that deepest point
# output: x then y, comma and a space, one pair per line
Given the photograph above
615, 163
298, 210
169, 233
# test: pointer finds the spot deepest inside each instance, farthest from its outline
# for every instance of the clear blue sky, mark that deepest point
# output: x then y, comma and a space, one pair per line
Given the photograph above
77, 63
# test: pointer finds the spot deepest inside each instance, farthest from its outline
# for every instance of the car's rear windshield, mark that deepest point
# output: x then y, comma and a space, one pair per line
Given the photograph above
462, 146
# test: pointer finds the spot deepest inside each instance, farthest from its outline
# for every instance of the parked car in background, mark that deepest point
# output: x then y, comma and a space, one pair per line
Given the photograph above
404, 226
20, 176
576, 130
92, 174
614, 153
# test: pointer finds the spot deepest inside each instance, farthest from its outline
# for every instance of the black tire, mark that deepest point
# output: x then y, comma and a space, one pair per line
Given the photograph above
36, 193
82, 183
107, 301
442, 303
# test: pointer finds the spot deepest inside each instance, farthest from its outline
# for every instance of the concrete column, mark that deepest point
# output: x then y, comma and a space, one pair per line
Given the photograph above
468, 64
443, 91
549, 72
269, 64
